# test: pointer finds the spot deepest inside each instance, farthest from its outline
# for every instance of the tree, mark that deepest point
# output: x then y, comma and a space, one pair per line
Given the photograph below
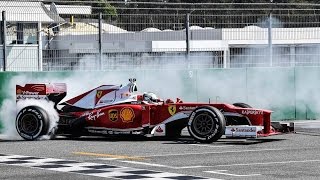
101, 6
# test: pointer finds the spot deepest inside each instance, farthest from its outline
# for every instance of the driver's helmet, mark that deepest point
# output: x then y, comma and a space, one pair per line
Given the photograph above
150, 97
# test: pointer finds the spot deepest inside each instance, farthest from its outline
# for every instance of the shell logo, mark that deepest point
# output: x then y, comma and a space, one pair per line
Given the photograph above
127, 114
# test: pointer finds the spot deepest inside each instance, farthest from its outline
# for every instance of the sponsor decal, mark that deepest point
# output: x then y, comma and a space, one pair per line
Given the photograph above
109, 132
35, 90
193, 114
100, 94
159, 130
19, 97
172, 109
94, 115
20, 94
29, 93
213, 134
19, 91
127, 114
243, 130
113, 115
252, 112
187, 108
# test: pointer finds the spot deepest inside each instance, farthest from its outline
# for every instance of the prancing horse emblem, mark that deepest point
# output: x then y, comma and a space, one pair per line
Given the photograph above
172, 109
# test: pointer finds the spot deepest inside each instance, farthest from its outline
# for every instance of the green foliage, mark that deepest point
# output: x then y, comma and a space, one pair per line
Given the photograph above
103, 7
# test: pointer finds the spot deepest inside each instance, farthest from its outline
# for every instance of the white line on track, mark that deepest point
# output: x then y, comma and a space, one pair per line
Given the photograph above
147, 164
212, 146
222, 165
157, 165
266, 163
249, 164
214, 152
222, 172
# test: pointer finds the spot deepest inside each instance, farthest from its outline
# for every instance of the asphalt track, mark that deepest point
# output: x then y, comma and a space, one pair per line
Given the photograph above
286, 156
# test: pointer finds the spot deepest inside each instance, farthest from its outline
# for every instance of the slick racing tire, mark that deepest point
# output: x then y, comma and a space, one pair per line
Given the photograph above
206, 124
32, 122
242, 105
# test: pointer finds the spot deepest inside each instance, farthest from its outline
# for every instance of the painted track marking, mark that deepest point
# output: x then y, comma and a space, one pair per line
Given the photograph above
222, 172
205, 145
266, 163
148, 164
214, 152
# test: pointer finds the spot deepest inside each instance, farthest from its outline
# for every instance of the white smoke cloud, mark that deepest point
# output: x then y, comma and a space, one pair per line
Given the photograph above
8, 116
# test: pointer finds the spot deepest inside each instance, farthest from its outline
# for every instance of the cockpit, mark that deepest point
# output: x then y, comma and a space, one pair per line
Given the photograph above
150, 97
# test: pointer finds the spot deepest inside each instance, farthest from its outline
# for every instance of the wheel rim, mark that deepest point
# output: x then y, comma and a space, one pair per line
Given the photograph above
29, 124
203, 124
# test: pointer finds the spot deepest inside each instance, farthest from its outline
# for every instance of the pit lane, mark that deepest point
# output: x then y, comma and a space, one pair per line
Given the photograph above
294, 156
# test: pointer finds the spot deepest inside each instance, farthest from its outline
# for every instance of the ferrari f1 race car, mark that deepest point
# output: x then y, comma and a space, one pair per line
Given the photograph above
114, 109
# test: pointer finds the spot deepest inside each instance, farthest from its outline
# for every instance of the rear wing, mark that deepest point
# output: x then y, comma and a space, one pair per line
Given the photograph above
50, 91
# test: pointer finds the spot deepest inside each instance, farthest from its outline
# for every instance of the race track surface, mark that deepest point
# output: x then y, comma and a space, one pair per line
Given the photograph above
287, 156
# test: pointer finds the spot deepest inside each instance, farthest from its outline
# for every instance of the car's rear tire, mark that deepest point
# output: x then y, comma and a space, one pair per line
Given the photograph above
206, 124
242, 105
32, 122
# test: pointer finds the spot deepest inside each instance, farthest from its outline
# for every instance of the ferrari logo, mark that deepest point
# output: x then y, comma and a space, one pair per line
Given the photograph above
99, 93
113, 115
127, 114
172, 109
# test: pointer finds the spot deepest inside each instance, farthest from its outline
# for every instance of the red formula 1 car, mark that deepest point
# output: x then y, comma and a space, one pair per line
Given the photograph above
111, 109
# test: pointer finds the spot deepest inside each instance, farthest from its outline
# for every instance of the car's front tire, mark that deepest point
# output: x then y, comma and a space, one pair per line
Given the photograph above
32, 122
206, 124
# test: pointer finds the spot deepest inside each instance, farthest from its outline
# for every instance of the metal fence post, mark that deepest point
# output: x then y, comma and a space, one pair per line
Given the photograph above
100, 41
187, 26
39, 38
270, 36
270, 39
4, 39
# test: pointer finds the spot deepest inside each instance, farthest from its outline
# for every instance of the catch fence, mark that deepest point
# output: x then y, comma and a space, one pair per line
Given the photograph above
41, 36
